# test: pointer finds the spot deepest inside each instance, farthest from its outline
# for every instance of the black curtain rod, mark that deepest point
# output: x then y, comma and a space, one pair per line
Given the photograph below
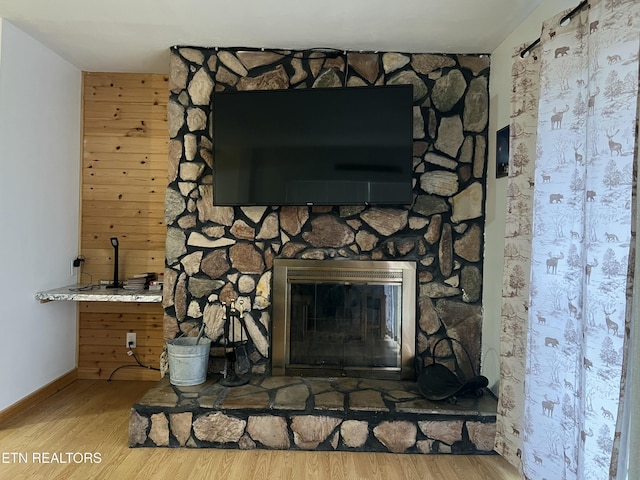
562, 20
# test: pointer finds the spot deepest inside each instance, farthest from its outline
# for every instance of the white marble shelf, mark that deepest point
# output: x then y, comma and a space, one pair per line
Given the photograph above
99, 294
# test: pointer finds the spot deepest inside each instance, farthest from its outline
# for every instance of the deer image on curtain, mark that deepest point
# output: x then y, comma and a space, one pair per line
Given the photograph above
568, 243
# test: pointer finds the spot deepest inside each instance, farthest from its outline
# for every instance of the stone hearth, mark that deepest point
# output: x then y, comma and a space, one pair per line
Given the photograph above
216, 254
328, 414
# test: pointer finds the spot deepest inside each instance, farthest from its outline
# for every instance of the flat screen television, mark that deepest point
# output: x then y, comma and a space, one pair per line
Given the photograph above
324, 146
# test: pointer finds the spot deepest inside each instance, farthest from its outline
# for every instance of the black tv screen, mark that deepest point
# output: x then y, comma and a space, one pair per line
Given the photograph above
329, 146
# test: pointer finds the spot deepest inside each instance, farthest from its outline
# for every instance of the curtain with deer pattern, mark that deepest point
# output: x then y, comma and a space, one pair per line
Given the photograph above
568, 243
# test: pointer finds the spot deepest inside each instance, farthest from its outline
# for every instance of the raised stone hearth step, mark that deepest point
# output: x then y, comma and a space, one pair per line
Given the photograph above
345, 414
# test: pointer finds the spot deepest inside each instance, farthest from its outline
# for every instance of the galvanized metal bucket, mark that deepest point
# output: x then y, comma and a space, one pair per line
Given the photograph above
188, 360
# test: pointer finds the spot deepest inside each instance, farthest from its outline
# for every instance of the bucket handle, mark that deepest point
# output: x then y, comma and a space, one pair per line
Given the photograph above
200, 333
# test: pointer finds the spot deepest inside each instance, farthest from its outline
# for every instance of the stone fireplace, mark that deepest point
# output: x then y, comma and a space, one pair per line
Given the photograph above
217, 254
343, 318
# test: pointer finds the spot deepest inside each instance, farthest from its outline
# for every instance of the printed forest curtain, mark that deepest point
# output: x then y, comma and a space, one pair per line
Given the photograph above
568, 243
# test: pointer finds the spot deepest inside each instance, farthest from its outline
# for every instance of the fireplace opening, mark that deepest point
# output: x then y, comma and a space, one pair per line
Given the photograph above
344, 318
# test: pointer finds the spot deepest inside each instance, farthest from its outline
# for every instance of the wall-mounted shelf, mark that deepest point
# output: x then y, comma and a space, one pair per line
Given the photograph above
99, 294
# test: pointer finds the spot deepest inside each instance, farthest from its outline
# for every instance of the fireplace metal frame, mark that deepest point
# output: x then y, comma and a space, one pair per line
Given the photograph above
380, 272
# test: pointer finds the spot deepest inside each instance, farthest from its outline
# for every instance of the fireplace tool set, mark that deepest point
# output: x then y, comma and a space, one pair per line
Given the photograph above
235, 352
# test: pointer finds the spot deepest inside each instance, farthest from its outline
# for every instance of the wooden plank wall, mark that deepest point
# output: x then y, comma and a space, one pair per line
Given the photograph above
124, 177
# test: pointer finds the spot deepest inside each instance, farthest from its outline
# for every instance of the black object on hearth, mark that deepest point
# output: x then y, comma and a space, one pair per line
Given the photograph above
437, 382
235, 352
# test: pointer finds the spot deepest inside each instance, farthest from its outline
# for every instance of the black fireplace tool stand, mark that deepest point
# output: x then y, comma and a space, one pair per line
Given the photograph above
235, 352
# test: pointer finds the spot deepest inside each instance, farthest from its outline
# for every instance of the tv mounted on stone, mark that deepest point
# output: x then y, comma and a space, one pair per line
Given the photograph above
325, 146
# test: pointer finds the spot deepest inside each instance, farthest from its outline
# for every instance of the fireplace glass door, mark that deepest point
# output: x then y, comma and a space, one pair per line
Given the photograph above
352, 318
345, 325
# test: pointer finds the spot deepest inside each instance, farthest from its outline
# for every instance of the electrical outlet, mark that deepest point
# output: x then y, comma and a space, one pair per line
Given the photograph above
75, 264
131, 340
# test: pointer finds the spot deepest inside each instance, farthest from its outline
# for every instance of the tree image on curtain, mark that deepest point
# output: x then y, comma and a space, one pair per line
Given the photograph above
567, 243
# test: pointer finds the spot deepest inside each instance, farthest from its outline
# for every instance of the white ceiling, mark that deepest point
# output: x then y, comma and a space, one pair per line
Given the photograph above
135, 35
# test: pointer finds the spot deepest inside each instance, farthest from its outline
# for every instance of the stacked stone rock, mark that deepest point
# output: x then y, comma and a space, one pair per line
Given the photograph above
215, 254
288, 413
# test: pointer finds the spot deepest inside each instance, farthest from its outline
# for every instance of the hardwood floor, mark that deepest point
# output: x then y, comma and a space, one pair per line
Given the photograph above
85, 426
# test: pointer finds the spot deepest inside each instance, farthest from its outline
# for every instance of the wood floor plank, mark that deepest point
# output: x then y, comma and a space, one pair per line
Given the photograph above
91, 416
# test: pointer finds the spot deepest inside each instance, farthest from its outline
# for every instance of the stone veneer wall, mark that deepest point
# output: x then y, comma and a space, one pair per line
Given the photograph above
215, 254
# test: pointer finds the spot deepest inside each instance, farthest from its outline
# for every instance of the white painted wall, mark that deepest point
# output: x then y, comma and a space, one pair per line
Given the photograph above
499, 111
40, 124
